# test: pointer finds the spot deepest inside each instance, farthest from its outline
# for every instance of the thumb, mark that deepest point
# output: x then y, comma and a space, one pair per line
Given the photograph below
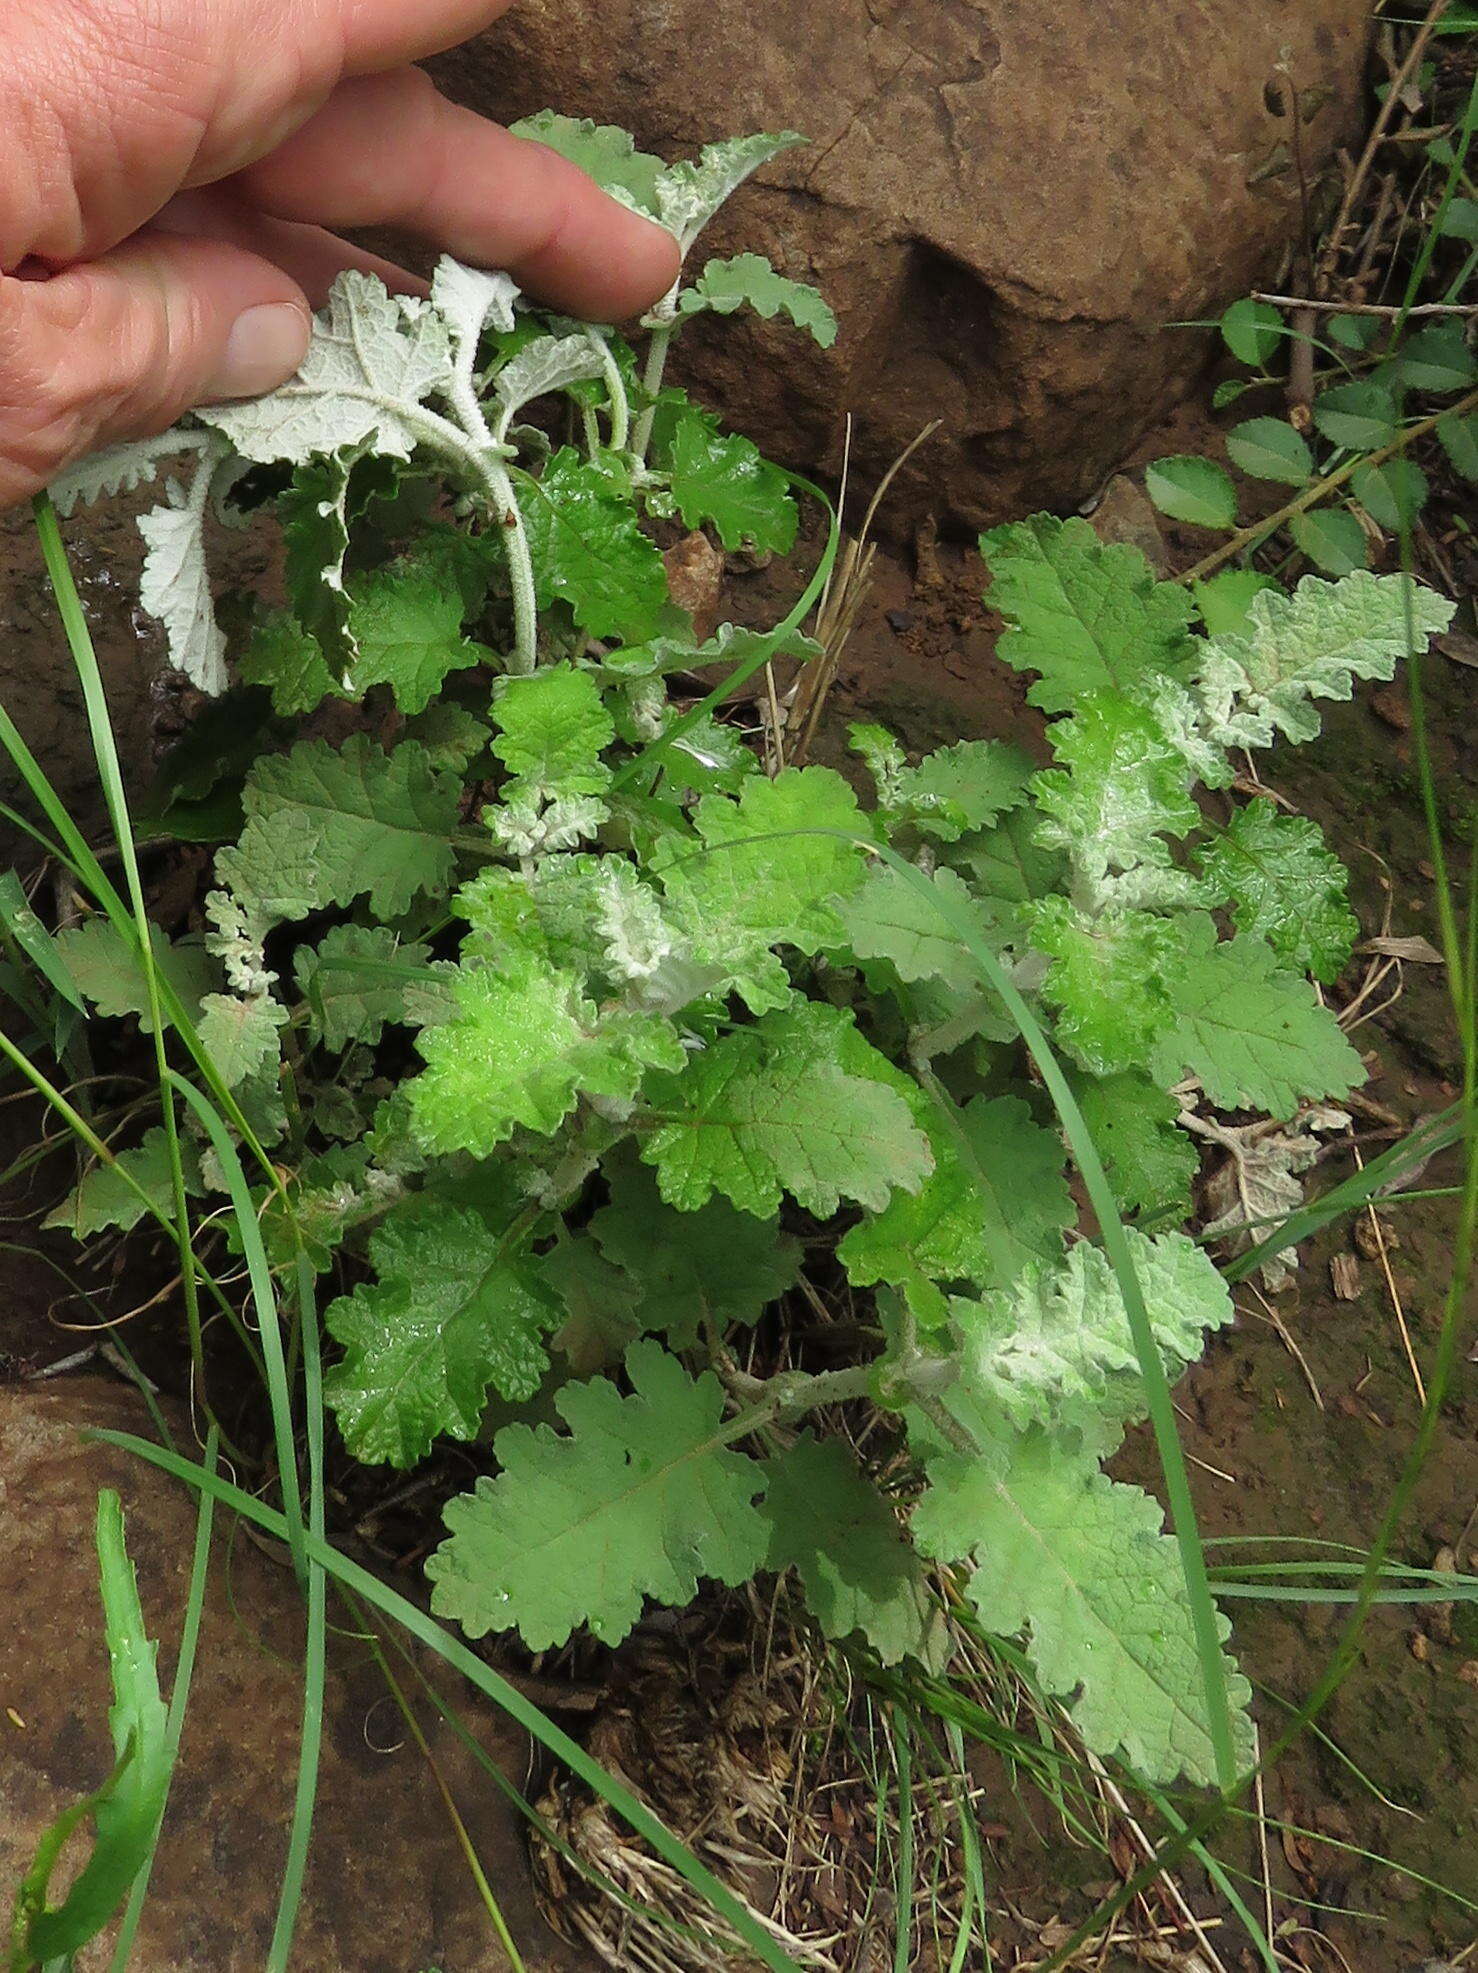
122, 346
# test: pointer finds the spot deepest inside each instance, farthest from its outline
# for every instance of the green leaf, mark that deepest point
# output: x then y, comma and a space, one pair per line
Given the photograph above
523, 1045
689, 194
452, 1313
723, 479
374, 360
589, 549
1120, 791
889, 919
772, 867
1459, 438
1312, 645
1107, 980
1256, 1036
104, 1198
1055, 1347
1437, 360
1393, 494
965, 786
406, 624
996, 1199
1361, 417
1332, 539
110, 972
1223, 602
1285, 887
1270, 449
1080, 1563
553, 728
1150, 1161
1090, 617
603, 152
860, 1577
326, 827
1191, 489
780, 1107
354, 982
1008, 868
452, 736
639, 1500
240, 1035
127, 1808
1354, 331
313, 514
283, 657
750, 281
692, 1271
1253, 331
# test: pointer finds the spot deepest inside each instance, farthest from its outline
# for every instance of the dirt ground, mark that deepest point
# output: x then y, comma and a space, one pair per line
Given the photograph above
1299, 1421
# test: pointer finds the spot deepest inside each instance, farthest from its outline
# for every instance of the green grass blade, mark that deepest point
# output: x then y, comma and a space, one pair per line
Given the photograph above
506, 1697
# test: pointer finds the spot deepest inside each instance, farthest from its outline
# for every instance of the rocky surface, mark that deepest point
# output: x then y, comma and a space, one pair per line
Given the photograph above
388, 1890
1007, 201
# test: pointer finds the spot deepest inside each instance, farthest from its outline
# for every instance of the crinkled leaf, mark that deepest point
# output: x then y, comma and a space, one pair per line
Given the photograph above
241, 1035
289, 662
1286, 887
1256, 1036
602, 151
1088, 616
1008, 867
770, 1109
1121, 790
552, 363
175, 584
689, 1270
452, 1313
640, 1499
1107, 980
689, 194
106, 967
996, 1199
326, 827
959, 788
104, 1197
523, 1045
860, 1577
374, 360
1081, 1564
725, 480
405, 622
750, 281
1055, 1347
589, 549
1312, 645
553, 728
354, 982
889, 919
772, 866
1149, 1160
471, 300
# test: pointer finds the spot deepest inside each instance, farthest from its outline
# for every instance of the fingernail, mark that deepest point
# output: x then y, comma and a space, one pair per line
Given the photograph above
265, 347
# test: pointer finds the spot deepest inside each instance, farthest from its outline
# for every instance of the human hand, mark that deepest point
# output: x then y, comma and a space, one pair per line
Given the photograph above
168, 170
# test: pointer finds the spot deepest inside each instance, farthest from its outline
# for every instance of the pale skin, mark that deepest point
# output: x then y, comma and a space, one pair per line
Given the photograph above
171, 175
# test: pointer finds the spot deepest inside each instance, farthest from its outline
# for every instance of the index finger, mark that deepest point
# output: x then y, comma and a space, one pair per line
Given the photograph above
384, 34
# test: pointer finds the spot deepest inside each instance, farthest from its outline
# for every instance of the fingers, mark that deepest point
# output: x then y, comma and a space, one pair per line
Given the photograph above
383, 34
390, 150
122, 346
313, 257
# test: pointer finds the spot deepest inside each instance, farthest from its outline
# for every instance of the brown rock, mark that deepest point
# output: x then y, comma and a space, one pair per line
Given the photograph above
388, 1890
1009, 203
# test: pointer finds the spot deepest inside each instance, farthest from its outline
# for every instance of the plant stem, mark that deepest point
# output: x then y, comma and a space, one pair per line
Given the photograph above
652, 375
616, 390
476, 445
1258, 531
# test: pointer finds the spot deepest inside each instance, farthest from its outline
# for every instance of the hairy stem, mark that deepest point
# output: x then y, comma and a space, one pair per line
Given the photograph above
615, 385
652, 375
